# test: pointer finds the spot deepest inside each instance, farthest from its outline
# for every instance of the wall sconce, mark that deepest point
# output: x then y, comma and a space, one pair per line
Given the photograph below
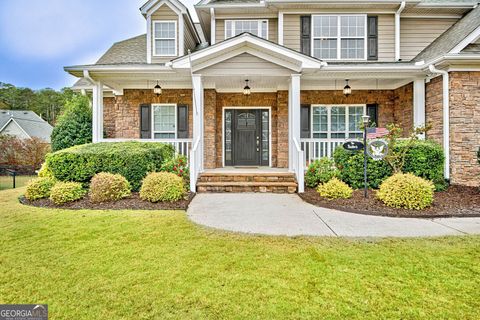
247, 91
347, 90
157, 89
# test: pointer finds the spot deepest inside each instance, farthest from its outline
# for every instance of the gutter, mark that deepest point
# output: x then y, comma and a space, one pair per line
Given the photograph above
397, 30
446, 117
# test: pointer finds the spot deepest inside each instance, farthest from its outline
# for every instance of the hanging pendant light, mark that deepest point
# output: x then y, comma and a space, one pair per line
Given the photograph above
347, 90
247, 91
157, 89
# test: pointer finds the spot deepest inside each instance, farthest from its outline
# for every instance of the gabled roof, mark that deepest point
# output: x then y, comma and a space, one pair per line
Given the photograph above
130, 51
28, 121
452, 37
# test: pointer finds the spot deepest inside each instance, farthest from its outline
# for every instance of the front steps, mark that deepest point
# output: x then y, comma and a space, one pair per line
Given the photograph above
272, 182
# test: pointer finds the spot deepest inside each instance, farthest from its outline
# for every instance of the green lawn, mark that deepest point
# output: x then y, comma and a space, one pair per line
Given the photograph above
20, 181
158, 265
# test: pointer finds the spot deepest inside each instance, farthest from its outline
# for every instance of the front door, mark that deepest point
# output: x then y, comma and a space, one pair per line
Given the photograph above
246, 137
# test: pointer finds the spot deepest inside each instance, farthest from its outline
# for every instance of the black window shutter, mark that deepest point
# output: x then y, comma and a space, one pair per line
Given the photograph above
305, 39
372, 111
145, 121
182, 121
305, 121
372, 37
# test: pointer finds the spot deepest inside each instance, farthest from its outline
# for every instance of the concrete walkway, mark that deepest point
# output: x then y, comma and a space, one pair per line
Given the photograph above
281, 214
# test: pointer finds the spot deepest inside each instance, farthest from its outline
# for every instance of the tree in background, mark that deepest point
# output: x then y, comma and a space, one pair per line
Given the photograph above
24, 155
74, 126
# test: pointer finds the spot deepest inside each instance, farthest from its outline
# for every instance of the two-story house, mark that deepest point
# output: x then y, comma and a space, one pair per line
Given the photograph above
269, 85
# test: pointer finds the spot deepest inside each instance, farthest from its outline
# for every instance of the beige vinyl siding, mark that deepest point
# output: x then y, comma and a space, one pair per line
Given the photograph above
417, 33
190, 42
220, 28
386, 37
163, 13
291, 31
239, 64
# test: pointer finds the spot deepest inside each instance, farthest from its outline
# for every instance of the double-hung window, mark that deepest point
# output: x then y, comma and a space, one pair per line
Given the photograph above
164, 121
165, 38
337, 121
339, 37
256, 27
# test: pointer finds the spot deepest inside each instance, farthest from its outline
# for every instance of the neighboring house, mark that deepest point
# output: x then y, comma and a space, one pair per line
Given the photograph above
24, 125
408, 62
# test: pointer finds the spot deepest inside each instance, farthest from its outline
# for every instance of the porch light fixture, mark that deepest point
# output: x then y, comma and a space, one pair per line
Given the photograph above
246, 90
157, 89
347, 90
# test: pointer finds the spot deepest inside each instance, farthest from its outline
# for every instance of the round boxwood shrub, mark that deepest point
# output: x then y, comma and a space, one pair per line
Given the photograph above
63, 192
132, 160
407, 191
162, 186
106, 187
335, 189
39, 188
320, 171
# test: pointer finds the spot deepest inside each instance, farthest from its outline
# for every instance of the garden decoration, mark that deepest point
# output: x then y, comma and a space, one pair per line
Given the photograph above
377, 149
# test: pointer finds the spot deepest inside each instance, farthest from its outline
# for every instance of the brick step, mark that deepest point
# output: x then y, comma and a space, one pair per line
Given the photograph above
247, 177
235, 186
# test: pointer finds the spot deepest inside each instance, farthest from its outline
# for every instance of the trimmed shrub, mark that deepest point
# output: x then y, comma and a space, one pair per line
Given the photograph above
178, 166
63, 192
162, 186
320, 171
406, 191
335, 189
39, 188
74, 126
108, 187
425, 159
132, 160
45, 171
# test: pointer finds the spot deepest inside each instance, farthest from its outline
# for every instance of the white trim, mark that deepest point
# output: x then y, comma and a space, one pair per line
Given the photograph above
153, 119
419, 104
339, 36
177, 44
259, 27
212, 26
18, 125
269, 130
181, 35
397, 30
280, 28
149, 39
472, 37
153, 5
329, 121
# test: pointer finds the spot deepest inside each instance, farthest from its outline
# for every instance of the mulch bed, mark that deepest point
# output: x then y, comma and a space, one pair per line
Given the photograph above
456, 201
131, 203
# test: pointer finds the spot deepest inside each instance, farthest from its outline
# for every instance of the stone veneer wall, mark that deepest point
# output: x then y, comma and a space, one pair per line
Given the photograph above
122, 113
403, 110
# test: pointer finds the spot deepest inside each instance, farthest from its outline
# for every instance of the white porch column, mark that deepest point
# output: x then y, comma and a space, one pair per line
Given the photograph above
280, 28
97, 112
198, 113
181, 36
293, 116
419, 104
212, 26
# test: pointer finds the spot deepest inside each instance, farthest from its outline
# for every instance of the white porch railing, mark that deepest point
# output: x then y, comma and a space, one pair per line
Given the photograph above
195, 165
318, 148
182, 146
299, 165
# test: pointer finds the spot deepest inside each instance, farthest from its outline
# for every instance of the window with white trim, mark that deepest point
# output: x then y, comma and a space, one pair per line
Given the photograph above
339, 37
164, 121
256, 27
165, 38
337, 121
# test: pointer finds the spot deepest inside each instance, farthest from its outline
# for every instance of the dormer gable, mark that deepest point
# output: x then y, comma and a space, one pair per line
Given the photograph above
170, 30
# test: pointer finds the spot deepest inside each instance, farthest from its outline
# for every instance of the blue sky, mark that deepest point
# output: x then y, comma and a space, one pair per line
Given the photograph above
39, 37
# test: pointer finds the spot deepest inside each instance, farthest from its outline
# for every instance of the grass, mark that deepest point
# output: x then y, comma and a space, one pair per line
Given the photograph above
158, 265
6, 182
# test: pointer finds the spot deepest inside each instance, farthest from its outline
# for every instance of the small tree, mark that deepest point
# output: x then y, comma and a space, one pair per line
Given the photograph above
396, 156
74, 126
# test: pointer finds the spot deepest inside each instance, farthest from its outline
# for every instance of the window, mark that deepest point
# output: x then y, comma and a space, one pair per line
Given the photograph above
337, 122
164, 121
165, 38
256, 27
339, 37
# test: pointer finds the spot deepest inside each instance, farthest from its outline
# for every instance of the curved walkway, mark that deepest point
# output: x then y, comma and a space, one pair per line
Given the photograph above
282, 214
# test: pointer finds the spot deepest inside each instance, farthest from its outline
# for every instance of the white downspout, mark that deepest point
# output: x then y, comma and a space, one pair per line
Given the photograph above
397, 30
446, 117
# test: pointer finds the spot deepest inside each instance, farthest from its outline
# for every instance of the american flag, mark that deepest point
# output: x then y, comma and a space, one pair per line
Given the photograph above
375, 133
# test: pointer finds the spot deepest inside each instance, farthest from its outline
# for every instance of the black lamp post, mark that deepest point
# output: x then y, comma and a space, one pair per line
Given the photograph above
365, 120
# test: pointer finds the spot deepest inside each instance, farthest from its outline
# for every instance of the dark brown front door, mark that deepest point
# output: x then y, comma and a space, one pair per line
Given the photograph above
246, 137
